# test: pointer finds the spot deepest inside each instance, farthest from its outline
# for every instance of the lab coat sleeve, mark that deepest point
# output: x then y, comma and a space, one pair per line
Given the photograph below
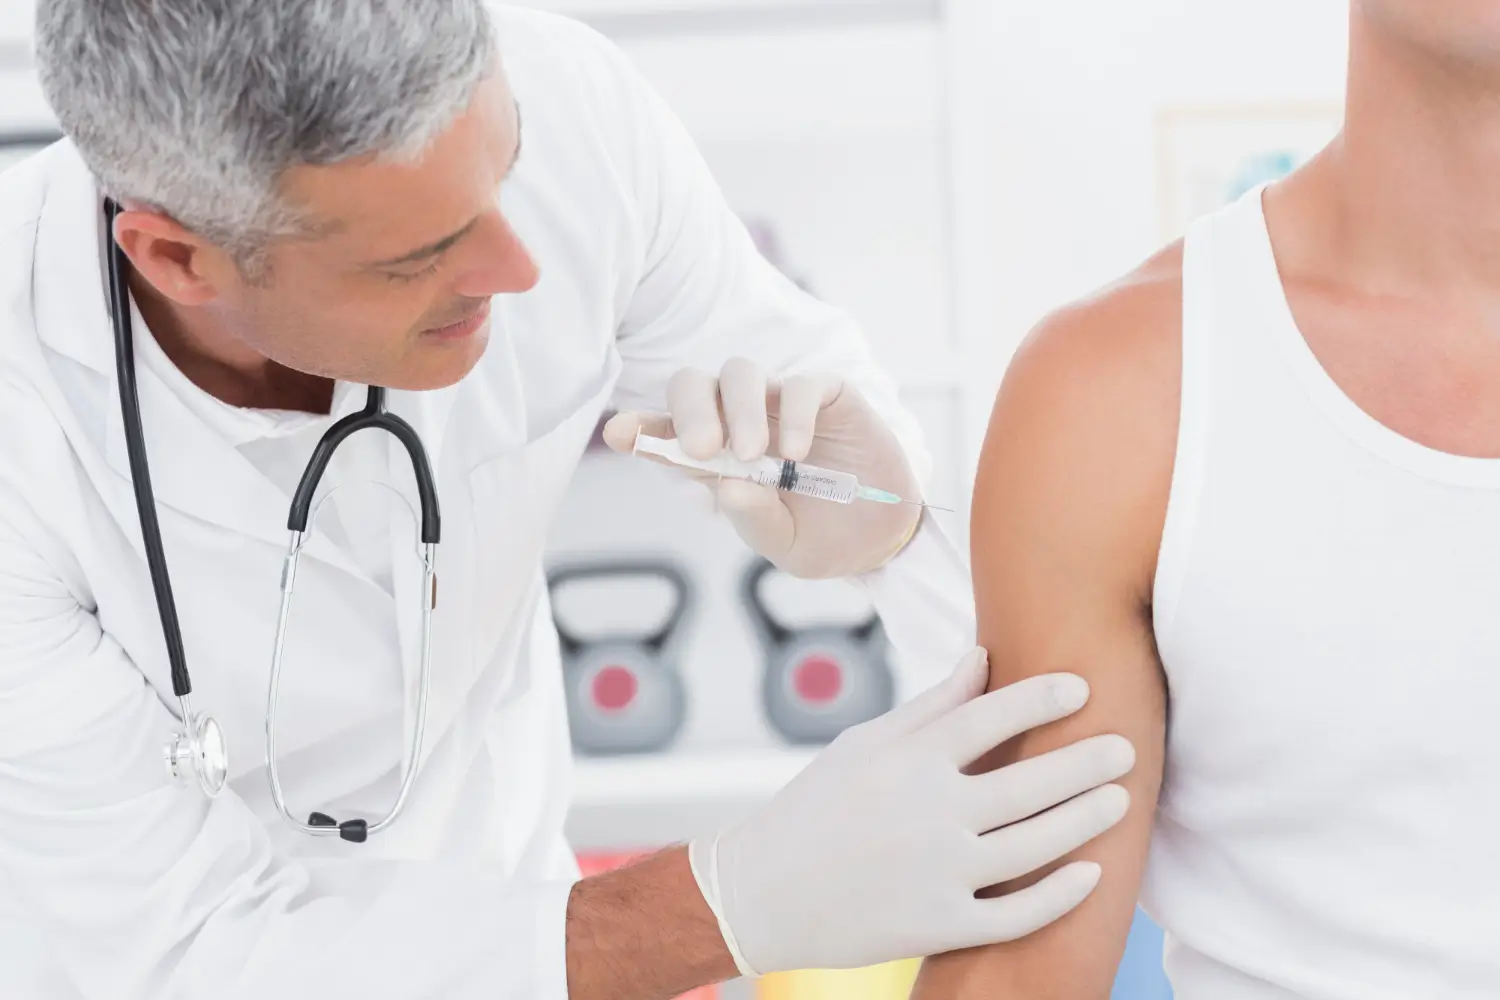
706, 295
139, 889
926, 605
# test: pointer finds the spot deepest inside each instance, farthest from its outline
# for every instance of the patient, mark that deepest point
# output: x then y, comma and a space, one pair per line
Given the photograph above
1262, 474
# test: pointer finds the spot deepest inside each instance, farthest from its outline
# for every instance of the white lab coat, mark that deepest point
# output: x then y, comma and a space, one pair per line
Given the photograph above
117, 884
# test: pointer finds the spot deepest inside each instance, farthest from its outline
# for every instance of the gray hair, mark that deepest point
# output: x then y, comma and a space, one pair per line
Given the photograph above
198, 107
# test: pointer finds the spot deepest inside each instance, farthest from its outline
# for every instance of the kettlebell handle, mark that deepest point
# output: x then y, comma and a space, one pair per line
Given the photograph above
658, 568
760, 614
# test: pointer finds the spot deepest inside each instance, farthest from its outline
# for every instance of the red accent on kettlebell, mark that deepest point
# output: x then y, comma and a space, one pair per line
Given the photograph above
818, 680
614, 688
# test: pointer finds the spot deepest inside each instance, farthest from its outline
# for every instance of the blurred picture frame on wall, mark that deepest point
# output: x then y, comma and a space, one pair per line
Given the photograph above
1208, 156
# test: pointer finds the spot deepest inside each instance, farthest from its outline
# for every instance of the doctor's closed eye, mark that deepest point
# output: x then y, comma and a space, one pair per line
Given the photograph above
400, 268
406, 278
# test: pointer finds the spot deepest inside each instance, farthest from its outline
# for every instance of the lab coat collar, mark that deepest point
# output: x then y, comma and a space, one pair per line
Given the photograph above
193, 470
72, 307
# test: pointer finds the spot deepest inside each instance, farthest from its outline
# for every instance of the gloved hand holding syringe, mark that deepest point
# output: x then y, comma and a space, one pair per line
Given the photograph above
734, 432
778, 473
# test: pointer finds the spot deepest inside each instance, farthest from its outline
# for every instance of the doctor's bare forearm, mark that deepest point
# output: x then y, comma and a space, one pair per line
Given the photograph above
643, 933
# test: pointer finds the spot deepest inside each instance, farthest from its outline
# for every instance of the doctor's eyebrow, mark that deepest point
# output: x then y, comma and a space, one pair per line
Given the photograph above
433, 249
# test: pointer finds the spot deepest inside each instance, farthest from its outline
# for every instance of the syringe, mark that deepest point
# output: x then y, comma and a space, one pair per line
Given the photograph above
782, 474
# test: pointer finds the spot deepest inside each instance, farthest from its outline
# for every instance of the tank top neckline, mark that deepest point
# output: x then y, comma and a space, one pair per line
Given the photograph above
1362, 428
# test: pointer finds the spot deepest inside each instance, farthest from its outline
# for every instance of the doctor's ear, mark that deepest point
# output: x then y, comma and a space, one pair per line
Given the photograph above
177, 262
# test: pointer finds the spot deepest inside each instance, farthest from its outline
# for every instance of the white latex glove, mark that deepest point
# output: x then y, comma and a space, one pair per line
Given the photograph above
875, 851
807, 418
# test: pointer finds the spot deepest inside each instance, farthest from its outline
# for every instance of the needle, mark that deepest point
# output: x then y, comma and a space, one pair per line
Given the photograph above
930, 506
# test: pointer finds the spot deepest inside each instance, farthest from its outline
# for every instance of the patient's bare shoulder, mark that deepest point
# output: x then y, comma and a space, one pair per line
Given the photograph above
1095, 386
1128, 333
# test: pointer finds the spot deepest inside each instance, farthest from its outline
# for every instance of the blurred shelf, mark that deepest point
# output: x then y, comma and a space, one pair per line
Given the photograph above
688, 778
29, 136
697, 17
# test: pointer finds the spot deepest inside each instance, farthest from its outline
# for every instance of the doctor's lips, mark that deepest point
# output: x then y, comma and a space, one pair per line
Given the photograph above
463, 328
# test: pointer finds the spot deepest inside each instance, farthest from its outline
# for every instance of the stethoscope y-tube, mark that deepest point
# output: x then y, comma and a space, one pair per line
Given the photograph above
374, 416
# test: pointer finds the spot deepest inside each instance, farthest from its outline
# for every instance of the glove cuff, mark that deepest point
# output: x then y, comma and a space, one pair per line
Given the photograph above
703, 859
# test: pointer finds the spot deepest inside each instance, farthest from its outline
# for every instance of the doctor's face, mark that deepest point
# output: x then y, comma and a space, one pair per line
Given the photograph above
395, 289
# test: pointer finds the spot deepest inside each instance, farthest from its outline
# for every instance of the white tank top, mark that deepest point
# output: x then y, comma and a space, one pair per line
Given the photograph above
1327, 609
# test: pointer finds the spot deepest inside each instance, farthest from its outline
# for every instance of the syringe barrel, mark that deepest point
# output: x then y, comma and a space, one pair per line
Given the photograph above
792, 477
813, 481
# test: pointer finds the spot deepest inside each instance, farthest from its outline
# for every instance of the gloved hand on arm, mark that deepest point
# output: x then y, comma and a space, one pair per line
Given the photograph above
873, 853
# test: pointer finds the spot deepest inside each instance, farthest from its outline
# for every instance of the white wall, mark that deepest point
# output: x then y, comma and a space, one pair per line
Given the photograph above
1075, 90
21, 101
15, 19
842, 146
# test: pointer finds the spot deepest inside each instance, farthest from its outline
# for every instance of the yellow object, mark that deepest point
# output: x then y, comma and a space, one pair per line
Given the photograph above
892, 981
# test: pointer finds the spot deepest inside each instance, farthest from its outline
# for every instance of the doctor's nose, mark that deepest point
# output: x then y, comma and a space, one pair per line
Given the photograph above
498, 263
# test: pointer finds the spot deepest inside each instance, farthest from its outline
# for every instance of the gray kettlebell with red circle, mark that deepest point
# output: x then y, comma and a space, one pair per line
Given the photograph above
625, 693
822, 679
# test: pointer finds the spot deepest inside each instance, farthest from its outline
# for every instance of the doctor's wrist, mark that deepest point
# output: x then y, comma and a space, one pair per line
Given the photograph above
643, 932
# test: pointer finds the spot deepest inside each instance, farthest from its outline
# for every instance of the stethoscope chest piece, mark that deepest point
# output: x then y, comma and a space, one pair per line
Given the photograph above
198, 752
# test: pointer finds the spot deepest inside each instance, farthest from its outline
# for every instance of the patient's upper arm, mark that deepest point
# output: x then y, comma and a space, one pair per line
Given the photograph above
1068, 512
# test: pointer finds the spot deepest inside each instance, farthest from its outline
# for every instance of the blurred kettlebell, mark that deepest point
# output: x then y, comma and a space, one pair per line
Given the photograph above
625, 693
822, 679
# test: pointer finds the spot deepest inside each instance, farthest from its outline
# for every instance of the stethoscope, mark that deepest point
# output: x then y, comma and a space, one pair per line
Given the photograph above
198, 751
